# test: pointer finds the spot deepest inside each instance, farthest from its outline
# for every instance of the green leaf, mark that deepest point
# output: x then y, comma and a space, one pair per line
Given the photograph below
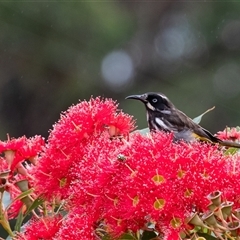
198, 119
19, 197
106, 238
22, 216
19, 221
34, 205
231, 151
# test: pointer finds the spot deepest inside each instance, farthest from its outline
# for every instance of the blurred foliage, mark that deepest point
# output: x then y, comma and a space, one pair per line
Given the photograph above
52, 55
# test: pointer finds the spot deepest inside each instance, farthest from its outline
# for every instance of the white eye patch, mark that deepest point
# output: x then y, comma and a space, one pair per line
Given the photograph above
154, 100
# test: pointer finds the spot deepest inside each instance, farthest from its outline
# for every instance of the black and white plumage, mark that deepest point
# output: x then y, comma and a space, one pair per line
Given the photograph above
163, 115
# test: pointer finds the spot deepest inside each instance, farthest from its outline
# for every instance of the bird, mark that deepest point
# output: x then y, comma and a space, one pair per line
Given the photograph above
162, 115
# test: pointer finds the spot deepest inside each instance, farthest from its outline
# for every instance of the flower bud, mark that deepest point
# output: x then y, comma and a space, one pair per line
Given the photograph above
215, 197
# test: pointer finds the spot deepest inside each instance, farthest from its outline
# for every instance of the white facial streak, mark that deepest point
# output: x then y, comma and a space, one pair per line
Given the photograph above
150, 106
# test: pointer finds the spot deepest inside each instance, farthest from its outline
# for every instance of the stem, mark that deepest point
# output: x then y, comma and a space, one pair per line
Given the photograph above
3, 220
218, 235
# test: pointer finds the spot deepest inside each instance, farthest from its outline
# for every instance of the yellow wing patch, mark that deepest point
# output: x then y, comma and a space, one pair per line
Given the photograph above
196, 136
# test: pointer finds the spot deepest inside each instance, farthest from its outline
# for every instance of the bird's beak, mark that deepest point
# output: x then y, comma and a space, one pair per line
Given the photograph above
142, 97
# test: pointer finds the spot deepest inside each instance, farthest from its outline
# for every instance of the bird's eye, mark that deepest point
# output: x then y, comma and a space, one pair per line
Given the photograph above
154, 100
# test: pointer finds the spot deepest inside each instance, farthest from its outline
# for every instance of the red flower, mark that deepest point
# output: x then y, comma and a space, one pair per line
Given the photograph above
231, 134
21, 149
91, 173
42, 228
50, 175
84, 125
28, 151
171, 234
78, 224
15, 152
86, 119
160, 181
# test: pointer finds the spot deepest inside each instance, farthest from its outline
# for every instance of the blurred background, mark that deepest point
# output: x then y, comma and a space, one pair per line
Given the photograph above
54, 53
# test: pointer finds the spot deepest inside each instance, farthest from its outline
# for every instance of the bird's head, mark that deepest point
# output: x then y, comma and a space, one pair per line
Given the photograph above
154, 101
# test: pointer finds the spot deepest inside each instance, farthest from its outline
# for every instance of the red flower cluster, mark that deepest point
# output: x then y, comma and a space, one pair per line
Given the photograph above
16, 152
119, 184
84, 125
163, 183
146, 179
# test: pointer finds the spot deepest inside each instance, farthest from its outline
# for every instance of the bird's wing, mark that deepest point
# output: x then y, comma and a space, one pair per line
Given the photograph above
181, 122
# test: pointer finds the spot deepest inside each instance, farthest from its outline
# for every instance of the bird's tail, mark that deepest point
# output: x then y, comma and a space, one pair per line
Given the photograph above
229, 144
215, 139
